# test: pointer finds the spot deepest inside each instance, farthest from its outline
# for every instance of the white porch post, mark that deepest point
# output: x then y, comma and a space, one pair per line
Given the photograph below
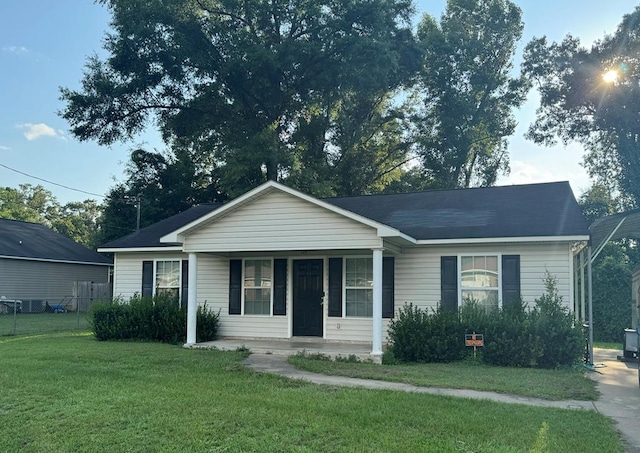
376, 349
192, 302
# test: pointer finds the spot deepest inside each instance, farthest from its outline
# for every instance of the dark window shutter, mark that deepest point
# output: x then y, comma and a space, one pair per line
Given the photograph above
335, 287
147, 279
280, 287
184, 296
388, 277
510, 279
449, 283
235, 287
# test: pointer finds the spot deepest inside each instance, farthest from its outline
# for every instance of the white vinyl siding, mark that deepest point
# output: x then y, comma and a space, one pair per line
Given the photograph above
213, 293
279, 221
127, 275
418, 270
353, 329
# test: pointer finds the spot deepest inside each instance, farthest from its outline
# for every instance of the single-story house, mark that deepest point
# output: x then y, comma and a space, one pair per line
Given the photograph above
39, 266
278, 264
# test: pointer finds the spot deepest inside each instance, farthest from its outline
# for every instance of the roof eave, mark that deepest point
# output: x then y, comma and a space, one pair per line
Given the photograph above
177, 248
50, 260
496, 240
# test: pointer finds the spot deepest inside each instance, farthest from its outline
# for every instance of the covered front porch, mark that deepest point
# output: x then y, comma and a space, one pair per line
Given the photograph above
307, 303
290, 266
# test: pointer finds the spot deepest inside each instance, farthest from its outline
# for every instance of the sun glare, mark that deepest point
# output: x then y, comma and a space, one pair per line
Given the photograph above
610, 76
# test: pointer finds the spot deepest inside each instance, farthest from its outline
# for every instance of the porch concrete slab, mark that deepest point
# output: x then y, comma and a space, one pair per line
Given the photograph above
287, 347
619, 394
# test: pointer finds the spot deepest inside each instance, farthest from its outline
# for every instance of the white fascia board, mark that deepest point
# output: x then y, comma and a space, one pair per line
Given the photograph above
382, 230
502, 240
141, 249
46, 260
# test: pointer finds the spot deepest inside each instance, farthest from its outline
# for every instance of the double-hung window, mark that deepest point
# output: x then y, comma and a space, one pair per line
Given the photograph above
257, 287
359, 287
479, 280
168, 277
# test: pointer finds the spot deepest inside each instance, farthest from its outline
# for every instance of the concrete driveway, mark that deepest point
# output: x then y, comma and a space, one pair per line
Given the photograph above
620, 394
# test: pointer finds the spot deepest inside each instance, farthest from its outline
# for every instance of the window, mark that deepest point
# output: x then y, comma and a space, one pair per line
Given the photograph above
168, 277
359, 287
257, 287
479, 280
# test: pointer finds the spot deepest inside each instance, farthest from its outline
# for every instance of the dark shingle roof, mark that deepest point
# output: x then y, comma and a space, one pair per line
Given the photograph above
532, 210
150, 236
547, 209
37, 242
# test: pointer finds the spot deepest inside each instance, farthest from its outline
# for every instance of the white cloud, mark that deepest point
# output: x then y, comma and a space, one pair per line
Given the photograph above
18, 50
4, 148
35, 131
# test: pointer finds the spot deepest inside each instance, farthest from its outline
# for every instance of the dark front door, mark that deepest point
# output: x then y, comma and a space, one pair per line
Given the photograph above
307, 298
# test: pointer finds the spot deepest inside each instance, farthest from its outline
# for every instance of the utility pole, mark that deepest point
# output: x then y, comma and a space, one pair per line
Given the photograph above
135, 201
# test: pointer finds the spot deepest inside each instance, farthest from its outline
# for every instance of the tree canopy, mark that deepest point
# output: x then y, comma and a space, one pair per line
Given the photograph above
164, 184
466, 92
250, 82
592, 96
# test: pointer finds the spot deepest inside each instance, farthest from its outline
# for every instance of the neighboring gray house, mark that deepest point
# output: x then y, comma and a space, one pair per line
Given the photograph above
38, 265
278, 263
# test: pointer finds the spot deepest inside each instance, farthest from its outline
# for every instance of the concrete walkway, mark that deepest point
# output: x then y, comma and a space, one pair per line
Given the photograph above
617, 383
619, 394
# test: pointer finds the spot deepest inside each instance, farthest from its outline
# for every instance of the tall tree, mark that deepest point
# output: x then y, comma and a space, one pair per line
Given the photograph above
80, 221
29, 204
466, 93
239, 79
164, 184
592, 96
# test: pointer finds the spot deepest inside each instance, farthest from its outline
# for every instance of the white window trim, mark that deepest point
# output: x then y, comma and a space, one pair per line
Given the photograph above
344, 286
467, 255
155, 276
259, 258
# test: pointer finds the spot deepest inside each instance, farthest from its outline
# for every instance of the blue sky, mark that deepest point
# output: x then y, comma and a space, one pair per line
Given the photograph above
44, 45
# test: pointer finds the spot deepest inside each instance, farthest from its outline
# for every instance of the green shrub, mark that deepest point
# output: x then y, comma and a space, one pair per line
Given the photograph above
509, 339
445, 339
561, 340
408, 334
207, 324
611, 295
419, 336
143, 318
513, 336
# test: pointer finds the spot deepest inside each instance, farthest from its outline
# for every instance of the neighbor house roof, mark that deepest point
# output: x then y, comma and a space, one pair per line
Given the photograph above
32, 241
518, 211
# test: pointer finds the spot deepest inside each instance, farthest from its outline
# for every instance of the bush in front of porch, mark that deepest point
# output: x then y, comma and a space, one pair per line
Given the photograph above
149, 319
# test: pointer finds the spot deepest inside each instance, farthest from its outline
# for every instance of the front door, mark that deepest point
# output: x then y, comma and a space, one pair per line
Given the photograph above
307, 298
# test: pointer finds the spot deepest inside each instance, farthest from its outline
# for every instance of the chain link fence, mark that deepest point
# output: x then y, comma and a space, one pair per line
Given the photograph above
41, 316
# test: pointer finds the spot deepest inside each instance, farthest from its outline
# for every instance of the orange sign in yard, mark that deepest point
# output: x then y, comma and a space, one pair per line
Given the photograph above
474, 339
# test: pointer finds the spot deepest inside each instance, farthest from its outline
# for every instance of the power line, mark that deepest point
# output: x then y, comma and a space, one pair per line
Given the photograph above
51, 182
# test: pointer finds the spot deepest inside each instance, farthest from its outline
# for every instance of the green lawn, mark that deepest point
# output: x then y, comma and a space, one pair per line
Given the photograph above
69, 392
563, 384
39, 323
607, 345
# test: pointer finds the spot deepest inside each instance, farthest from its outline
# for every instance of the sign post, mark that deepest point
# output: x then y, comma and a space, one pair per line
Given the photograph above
474, 339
